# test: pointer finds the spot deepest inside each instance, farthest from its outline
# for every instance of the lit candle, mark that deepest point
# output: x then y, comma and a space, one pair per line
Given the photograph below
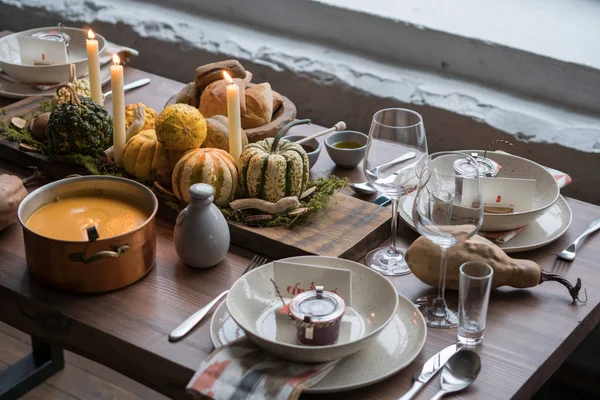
118, 109
234, 119
94, 67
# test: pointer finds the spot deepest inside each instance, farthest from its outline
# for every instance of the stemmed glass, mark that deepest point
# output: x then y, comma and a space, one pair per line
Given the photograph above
447, 210
395, 146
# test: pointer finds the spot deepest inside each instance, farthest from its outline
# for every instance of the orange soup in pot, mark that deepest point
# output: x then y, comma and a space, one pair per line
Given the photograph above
70, 217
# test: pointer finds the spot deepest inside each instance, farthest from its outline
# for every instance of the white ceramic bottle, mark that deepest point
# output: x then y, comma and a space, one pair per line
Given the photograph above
201, 233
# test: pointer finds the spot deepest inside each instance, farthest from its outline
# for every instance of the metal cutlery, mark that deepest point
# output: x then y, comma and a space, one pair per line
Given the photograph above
430, 368
132, 85
570, 252
186, 326
367, 187
460, 372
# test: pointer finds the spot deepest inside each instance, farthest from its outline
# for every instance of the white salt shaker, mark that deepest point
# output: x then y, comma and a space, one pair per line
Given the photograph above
201, 233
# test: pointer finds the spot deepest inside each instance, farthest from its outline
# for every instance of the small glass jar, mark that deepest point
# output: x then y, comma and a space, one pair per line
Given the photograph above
56, 35
317, 315
487, 168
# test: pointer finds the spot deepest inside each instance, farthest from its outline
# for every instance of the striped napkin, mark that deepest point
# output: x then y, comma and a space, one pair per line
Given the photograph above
241, 370
562, 180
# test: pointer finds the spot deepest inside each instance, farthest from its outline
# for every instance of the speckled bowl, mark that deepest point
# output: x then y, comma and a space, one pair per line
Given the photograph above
313, 156
252, 303
546, 191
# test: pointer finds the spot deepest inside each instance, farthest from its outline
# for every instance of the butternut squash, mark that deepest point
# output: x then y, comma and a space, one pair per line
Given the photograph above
423, 258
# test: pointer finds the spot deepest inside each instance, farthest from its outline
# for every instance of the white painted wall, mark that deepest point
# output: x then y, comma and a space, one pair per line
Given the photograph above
566, 30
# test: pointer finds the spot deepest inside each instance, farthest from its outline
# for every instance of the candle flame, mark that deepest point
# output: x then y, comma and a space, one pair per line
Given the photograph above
227, 77
91, 34
116, 59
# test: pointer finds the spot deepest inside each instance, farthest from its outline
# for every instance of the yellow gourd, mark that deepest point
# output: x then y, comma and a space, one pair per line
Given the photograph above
180, 127
144, 155
149, 116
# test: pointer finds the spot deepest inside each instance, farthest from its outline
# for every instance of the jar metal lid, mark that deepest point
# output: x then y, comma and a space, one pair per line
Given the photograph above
53, 35
317, 306
486, 167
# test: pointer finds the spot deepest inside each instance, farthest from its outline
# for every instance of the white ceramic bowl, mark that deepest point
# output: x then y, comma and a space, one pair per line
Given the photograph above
10, 58
252, 303
546, 191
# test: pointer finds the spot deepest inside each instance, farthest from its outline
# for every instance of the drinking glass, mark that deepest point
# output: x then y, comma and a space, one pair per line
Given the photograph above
395, 146
447, 210
474, 286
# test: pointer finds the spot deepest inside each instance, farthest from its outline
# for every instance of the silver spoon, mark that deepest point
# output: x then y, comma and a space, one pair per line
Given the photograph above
458, 373
367, 187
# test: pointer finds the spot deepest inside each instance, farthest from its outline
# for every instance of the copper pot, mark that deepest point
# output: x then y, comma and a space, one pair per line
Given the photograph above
94, 266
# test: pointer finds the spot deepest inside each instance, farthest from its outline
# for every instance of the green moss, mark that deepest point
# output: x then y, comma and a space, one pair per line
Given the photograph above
45, 106
11, 132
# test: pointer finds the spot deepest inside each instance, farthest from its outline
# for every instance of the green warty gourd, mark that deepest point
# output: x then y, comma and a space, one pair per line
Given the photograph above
79, 126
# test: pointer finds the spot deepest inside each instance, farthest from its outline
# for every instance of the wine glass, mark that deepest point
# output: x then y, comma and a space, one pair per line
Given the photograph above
395, 146
448, 210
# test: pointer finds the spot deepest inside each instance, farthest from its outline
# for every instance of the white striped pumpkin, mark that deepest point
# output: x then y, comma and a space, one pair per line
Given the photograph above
274, 168
213, 166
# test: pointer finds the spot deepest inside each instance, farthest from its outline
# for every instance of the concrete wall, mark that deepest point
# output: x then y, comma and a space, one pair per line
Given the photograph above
330, 83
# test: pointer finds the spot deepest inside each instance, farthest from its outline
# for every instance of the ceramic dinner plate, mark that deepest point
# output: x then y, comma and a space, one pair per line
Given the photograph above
545, 229
398, 344
16, 90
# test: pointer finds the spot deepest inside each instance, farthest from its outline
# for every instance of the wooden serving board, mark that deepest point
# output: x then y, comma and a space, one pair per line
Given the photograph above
347, 228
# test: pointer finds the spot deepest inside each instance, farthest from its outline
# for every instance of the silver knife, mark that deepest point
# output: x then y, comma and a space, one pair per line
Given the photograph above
431, 367
132, 85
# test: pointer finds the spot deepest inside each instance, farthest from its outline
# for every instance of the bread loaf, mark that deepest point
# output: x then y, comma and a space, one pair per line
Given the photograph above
214, 98
259, 106
209, 73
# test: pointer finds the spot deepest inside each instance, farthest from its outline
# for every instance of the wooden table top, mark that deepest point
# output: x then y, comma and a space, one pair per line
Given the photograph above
529, 332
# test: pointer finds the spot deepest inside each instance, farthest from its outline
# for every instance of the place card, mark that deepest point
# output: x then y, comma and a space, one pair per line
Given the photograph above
35, 51
509, 193
294, 278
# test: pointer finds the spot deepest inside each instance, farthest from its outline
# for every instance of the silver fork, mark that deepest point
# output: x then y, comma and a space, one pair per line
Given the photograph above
186, 326
569, 253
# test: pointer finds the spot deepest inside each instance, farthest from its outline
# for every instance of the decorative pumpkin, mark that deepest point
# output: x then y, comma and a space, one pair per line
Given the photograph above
423, 258
180, 127
217, 135
149, 118
79, 126
144, 155
274, 168
213, 166
81, 87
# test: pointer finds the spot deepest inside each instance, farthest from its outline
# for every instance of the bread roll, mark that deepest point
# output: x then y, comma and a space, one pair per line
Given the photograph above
188, 95
259, 106
214, 98
209, 73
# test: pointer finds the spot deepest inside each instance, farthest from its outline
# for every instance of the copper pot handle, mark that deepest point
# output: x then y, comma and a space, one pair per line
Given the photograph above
80, 257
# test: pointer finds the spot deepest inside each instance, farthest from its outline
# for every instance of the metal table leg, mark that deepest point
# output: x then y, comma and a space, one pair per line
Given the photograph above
44, 361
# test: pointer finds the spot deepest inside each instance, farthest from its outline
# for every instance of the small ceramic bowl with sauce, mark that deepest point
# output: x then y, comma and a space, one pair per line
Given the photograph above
312, 148
346, 148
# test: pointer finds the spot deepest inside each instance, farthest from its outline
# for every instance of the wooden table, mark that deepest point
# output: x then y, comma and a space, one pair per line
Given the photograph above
529, 332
